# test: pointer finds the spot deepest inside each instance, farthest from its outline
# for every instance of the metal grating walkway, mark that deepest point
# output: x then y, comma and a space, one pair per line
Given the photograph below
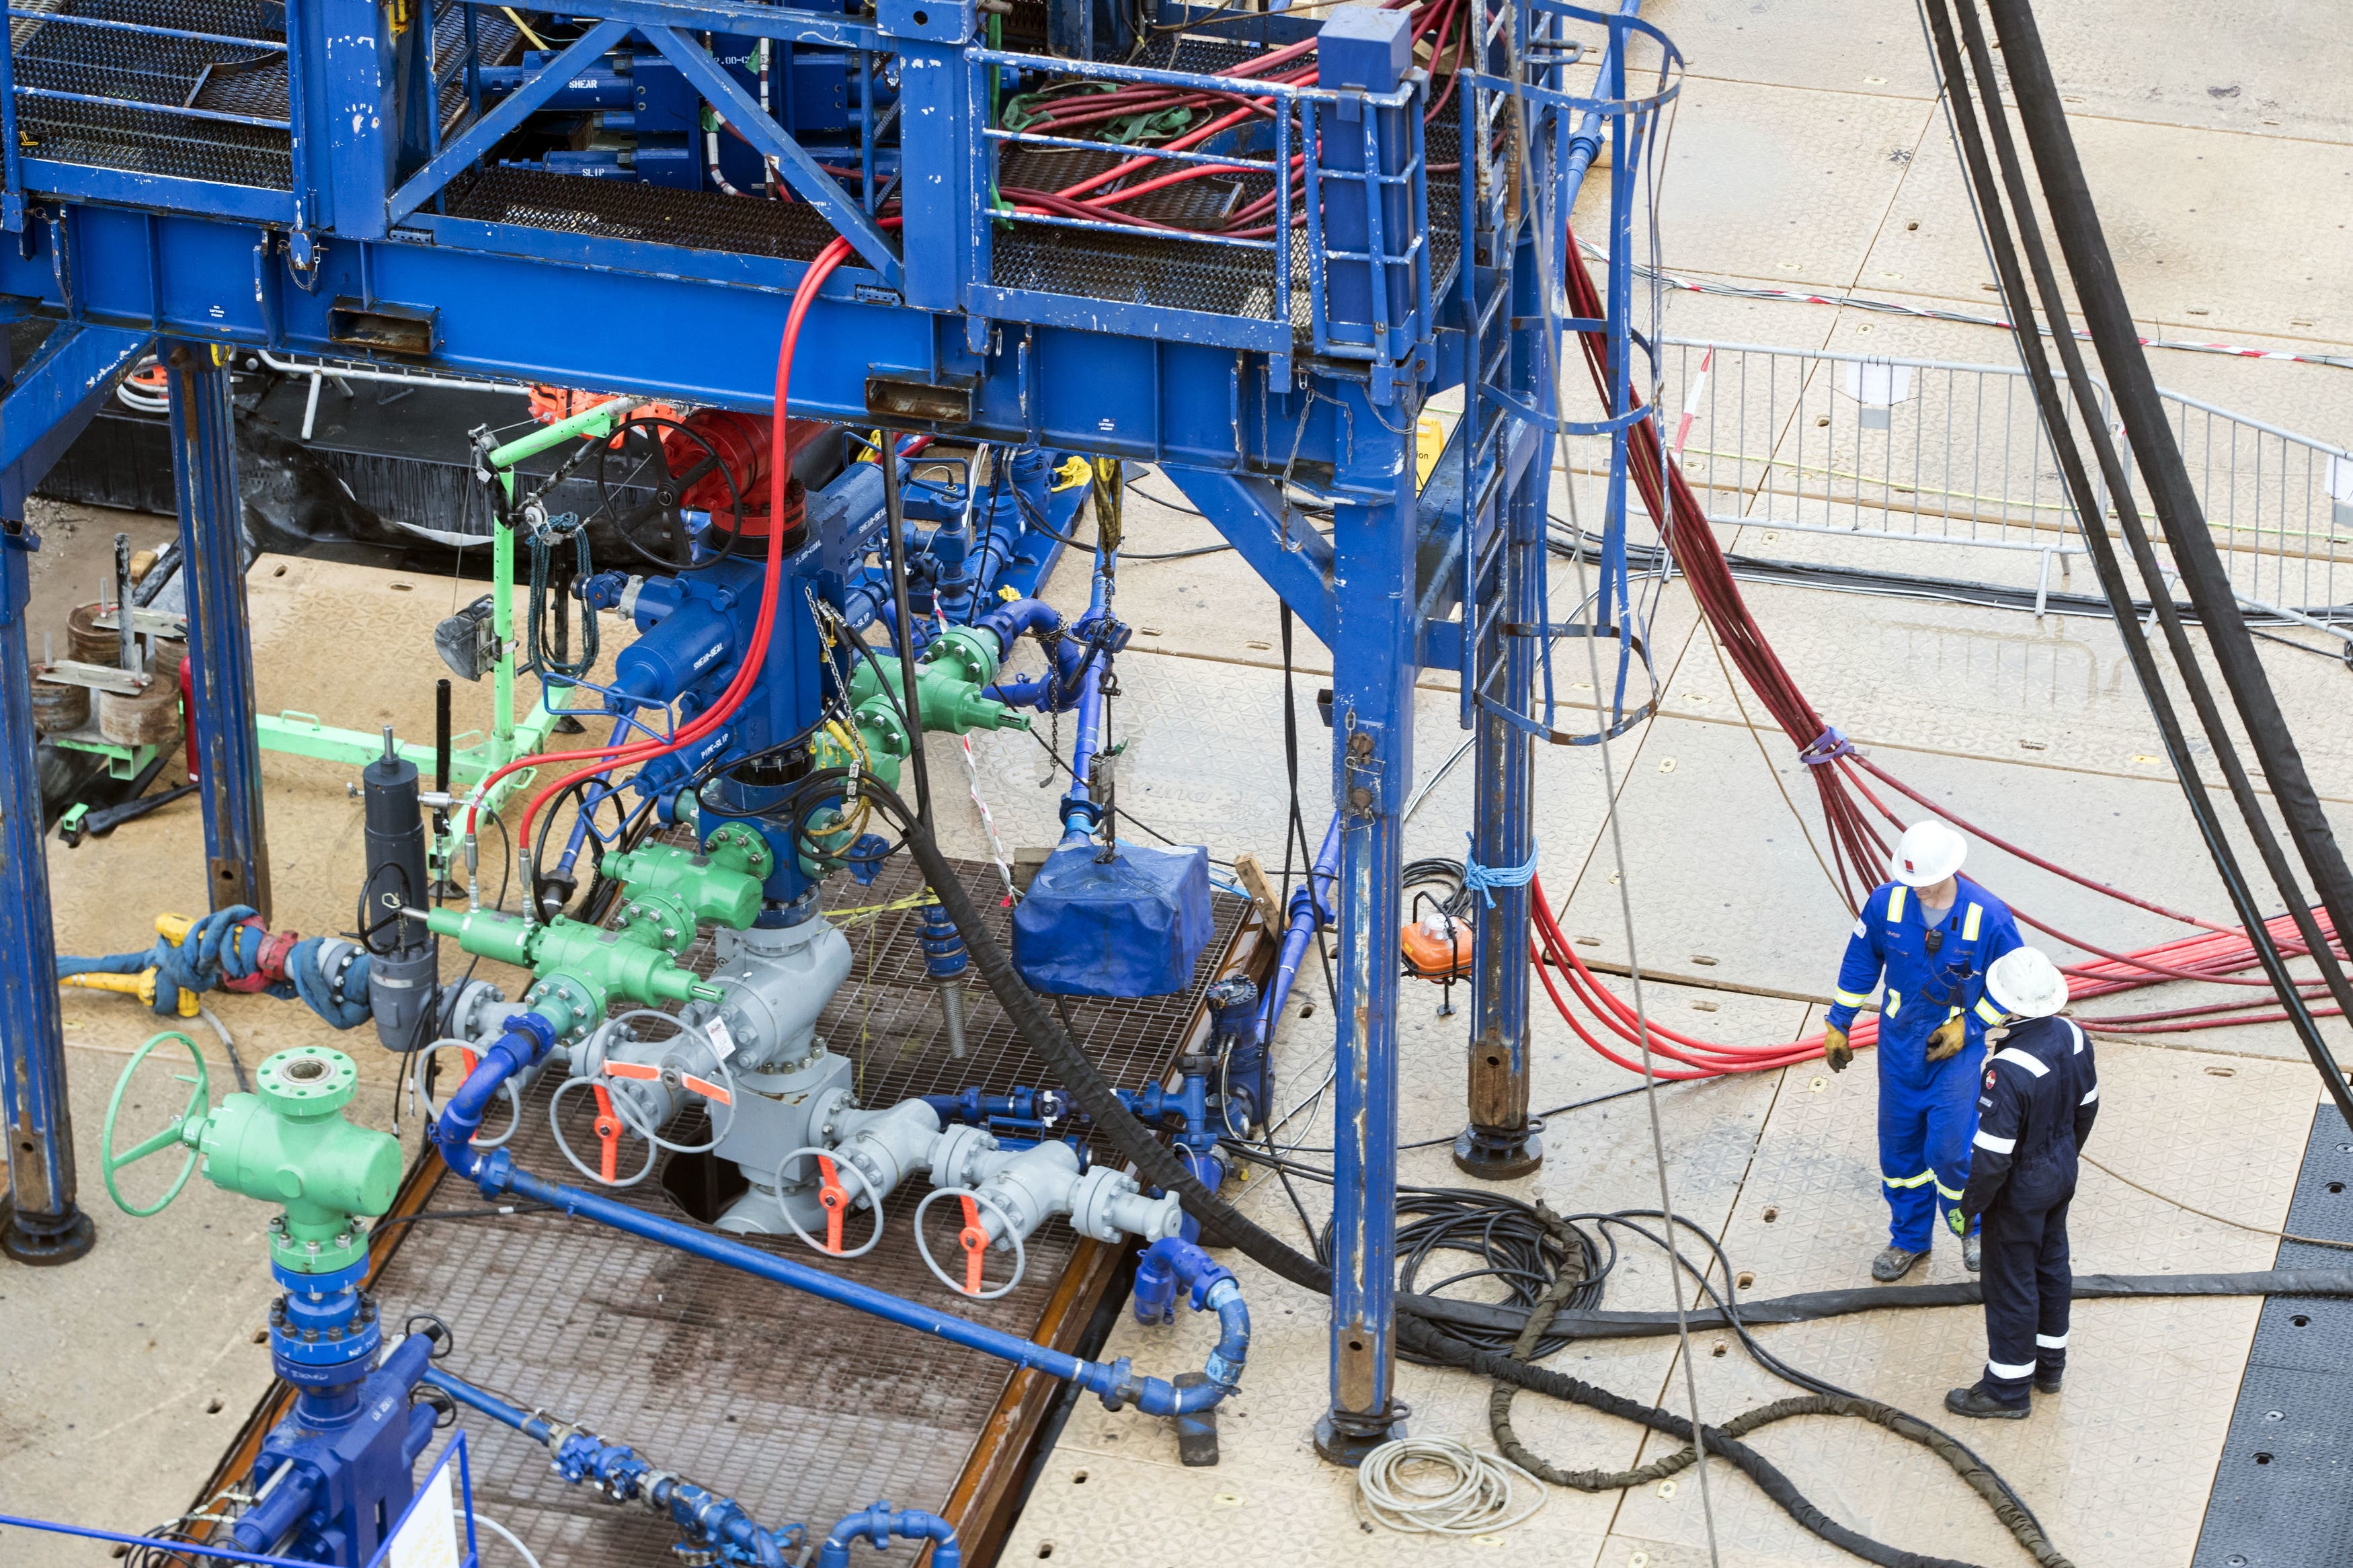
801, 1410
153, 76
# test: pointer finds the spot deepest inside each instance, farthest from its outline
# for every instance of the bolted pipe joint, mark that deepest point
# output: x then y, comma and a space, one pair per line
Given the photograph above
878, 1524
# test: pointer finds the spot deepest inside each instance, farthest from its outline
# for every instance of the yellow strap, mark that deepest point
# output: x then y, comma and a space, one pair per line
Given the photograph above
1969, 923
1894, 1001
1071, 475
1922, 1180
1852, 998
1988, 1012
1895, 903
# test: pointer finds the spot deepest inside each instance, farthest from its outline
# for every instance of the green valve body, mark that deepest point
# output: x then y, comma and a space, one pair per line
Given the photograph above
287, 1143
581, 968
670, 891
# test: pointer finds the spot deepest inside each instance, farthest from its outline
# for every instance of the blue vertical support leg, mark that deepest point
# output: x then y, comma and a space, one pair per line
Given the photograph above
1500, 1141
40, 1221
1372, 732
1373, 652
221, 648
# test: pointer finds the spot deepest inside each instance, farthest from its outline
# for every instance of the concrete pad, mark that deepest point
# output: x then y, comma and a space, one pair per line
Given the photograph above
1778, 183
2212, 233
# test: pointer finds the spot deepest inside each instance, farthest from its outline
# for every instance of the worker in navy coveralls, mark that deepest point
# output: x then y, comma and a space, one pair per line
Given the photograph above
2041, 1095
1931, 933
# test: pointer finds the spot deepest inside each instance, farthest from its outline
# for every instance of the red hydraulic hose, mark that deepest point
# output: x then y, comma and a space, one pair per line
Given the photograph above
780, 470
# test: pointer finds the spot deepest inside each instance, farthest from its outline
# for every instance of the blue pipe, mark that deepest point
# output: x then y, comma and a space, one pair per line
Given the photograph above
1080, 812
1310, 911
1114, 1381
528, 1037
1172, 1262
1013, 620
879, 1524
616, 1470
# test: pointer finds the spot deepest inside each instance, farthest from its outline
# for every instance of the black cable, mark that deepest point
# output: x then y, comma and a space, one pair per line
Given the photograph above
1514, 1245
911, 703
2071, 206
2092, 269
1222, 1224
1298, 822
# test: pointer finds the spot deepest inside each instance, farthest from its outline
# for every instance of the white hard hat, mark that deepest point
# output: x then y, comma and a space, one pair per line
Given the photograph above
2024, 982
1926, 854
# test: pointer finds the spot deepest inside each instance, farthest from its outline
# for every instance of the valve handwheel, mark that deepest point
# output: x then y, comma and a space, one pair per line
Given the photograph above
972, 1237
836, 1200
199, 1106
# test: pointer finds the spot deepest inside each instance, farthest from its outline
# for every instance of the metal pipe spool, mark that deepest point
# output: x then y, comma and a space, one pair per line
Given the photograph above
152, 718
58, 708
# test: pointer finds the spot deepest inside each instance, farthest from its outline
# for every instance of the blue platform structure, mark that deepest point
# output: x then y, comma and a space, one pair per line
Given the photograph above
340, 178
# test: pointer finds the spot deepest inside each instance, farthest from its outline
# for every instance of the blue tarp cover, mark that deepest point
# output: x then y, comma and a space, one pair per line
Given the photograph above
1130, 926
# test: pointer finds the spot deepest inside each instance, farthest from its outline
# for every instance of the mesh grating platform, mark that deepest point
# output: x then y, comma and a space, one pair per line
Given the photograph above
1176, 274
163, 73
800, 1410
625, 209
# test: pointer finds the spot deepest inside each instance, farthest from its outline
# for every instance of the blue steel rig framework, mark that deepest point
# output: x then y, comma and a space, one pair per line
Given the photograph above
360, 178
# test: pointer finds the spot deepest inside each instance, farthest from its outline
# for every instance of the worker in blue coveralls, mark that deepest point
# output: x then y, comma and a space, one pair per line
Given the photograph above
2041, 1096
1931, 933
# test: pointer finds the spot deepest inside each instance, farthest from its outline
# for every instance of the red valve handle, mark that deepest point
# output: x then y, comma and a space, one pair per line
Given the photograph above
835, 1199
708, 1090
469, 1059
975, 1241
608, 1134
638, 1070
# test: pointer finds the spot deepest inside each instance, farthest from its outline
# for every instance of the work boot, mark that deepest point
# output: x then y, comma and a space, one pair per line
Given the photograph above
1972, 1252
1974, 1401
1893, 1264
2048, 1382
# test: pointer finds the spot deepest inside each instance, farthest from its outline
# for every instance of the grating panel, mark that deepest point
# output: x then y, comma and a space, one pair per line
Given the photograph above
626, 209
1176, 274
2282, 1493
800, 1410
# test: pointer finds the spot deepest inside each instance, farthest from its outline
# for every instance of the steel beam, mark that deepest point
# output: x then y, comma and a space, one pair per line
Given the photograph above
48, 405
1373, 648
221, 648
40, 1222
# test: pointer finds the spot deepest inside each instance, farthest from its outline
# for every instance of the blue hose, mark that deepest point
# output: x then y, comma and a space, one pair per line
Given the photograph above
222, 947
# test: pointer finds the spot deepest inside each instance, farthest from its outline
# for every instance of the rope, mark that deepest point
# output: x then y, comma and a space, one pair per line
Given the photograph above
1441, 1486
2218, 1219
1484, 879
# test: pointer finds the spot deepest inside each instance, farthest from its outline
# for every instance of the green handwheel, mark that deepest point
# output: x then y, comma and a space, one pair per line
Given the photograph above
185, 1128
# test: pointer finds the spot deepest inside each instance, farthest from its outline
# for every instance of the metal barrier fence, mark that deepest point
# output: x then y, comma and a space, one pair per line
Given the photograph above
1926, 452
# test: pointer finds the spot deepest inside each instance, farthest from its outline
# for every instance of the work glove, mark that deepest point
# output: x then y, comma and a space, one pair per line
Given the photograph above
1947, 1039
1960, 1222
1836, 1052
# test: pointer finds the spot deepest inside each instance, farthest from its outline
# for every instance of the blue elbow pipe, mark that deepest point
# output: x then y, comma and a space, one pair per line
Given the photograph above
1022, 617
1170, 1263
528, 1038
1114, 1381
879, 1524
